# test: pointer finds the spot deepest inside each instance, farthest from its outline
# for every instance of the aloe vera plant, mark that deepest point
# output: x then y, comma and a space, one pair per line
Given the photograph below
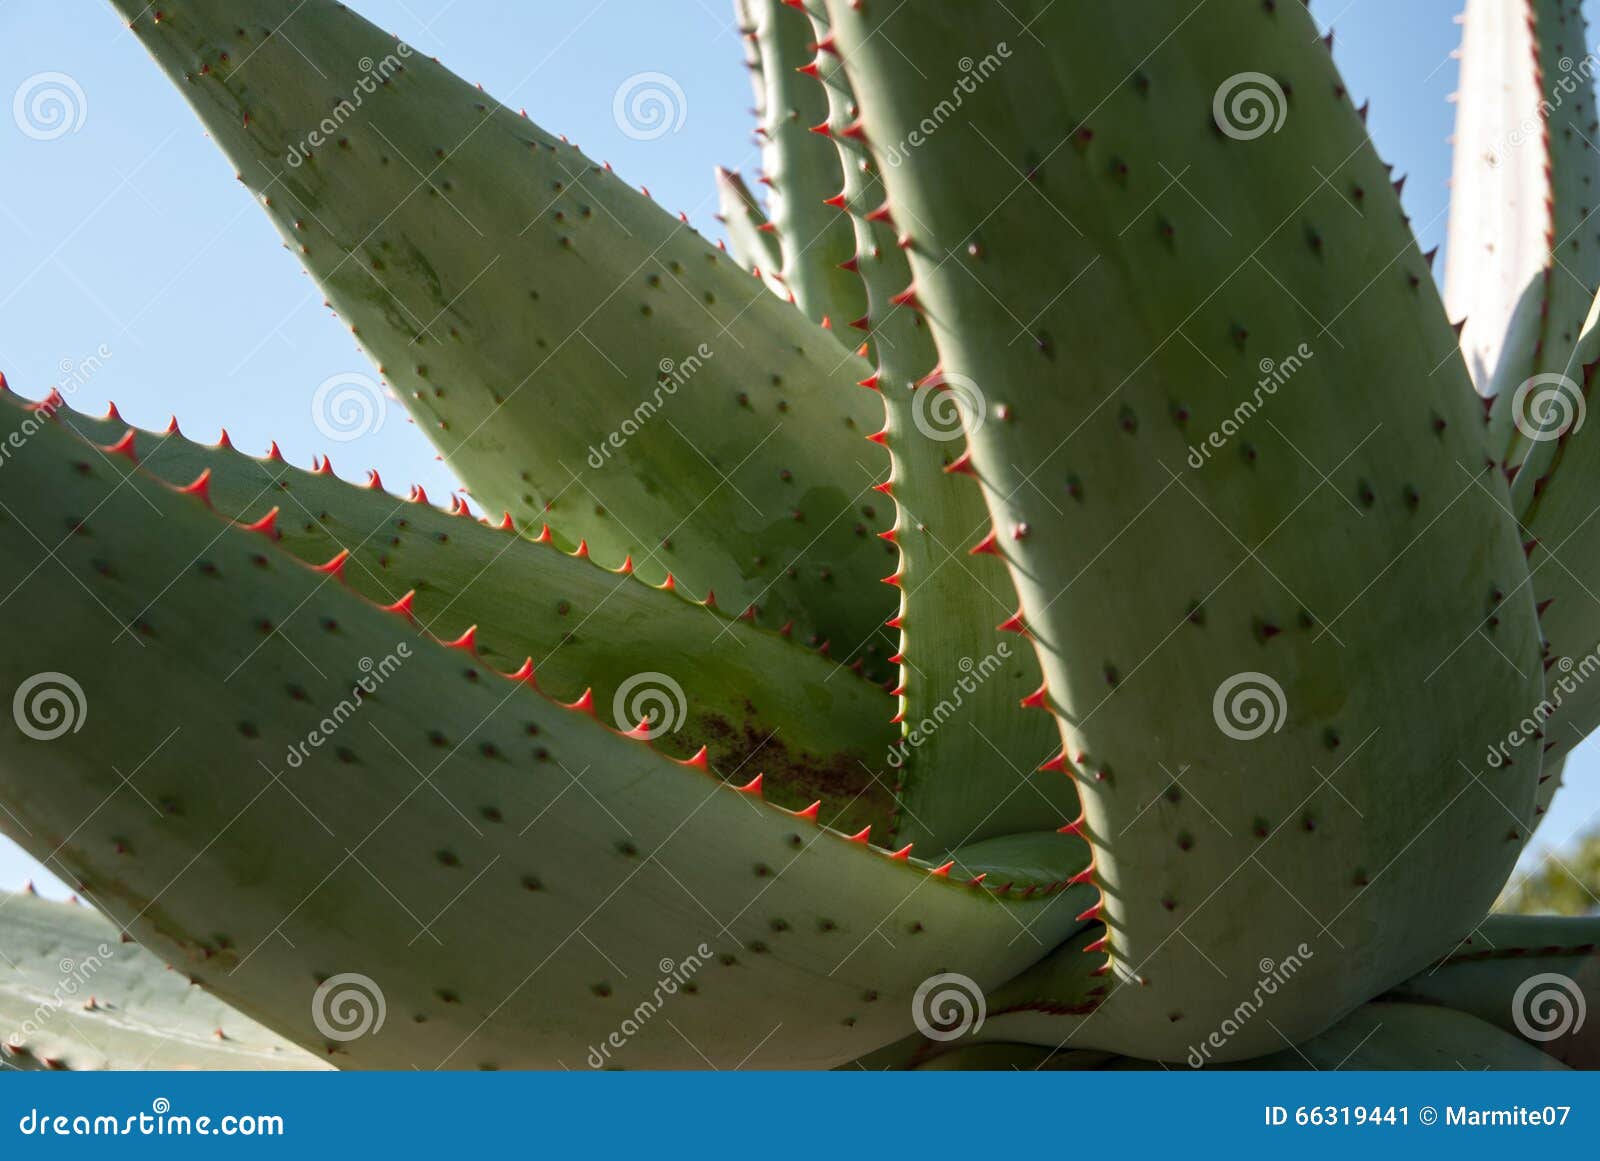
1231, 642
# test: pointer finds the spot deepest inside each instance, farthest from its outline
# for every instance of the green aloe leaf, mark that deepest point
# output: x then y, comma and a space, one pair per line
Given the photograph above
802, 169
1226, 445
76, 994
483, 262
701, 677
969, 760
1535, 976
461, 872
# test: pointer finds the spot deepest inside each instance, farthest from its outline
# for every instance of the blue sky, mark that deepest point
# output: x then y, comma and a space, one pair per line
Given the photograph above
131, 235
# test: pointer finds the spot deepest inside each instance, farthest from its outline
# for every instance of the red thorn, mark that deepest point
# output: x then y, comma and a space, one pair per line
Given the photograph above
403, 605
753, 786
700, 761
123, 447
273, 454
1057, 764
626, 568
506, 523
907, 297
524, 673
836, 201
201, 487
852, 264
325, 468
1074, 827
267, 525
943, 871
1083, 877
1013, 624
871, 381
961, 465
882, 214
582, 551
986, 545
861, 836
418, 494
375, 482
334, 565
467, 642
864, 323
172, 424
1038, 699
822, 129
223, 442
811, 812
1096, 912
584, 704
887, 487
903, 854
1097, 946
669, 585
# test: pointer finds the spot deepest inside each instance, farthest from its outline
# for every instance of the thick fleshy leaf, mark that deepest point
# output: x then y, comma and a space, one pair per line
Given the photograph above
1523, 262
969, 758
751, 239
802, 169
76, 994
1397, 1037
489, 268
459, 871
1554, 500
1535, 976
699, 676
1234, 464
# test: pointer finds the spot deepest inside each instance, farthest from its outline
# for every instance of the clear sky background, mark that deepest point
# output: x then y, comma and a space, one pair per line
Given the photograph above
131, 233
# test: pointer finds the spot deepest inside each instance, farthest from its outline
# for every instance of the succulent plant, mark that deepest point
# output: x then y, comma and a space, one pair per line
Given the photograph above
1231, 642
